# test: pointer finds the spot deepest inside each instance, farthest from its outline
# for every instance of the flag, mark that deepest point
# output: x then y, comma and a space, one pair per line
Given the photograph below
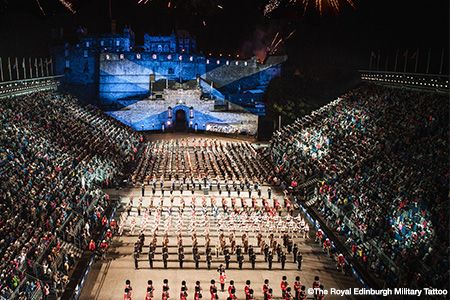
1, 70
405, 54
17, 68
24, 69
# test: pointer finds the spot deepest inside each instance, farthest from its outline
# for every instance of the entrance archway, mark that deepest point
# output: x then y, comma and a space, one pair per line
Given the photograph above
180, 123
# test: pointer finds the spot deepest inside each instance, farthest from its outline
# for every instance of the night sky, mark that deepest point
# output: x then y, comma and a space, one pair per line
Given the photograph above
345, 39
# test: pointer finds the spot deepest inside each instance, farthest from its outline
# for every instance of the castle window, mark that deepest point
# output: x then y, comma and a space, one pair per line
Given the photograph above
160, 48
122, 56
87, 44
117, 42
85, 53
108, 57
138, 56
67, 64
102, 43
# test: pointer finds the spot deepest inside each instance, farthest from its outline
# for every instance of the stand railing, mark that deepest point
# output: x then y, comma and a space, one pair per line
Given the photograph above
27, 86
435, 82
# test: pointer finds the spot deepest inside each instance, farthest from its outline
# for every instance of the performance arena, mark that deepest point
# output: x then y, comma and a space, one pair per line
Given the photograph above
140, 166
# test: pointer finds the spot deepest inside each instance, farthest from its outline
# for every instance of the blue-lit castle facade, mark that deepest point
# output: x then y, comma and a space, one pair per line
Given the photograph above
112, 67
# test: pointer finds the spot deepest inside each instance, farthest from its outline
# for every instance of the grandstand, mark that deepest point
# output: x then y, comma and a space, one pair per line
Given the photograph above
380, 156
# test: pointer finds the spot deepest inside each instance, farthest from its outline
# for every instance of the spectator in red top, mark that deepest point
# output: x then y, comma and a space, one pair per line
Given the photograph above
113, 225
104, 221
109, 234
103, 248
92, 246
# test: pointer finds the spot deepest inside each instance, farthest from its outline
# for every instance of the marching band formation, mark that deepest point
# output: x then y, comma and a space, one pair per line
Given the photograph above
201, 157
205, 204
249, 226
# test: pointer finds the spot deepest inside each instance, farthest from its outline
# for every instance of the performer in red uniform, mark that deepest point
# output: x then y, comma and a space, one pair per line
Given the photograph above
149, 292
165, 293
222, 278
283, 285
183, 293
128, 285
127, 295
197, 291
213, 290
232, 290
247, 290
321, 294
287, 294
297, 287
266, 288
316, 285
269, 294
302, 295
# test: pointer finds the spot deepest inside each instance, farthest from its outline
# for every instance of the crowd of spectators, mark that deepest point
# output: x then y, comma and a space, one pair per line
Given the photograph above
54, 156
381, 155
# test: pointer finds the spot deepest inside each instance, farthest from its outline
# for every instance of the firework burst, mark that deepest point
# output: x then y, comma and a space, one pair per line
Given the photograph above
40, 7
320, 6
68, 6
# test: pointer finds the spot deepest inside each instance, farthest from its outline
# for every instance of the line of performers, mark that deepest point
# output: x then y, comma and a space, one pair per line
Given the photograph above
296, 292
